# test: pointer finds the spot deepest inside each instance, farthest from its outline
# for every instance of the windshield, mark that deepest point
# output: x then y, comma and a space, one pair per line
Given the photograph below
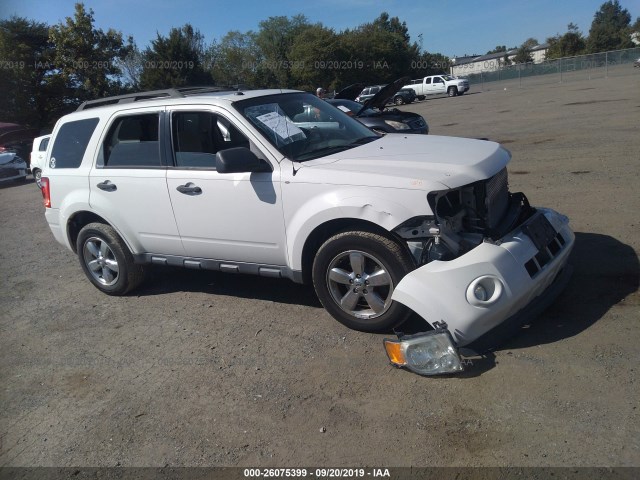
302, 126
448, 77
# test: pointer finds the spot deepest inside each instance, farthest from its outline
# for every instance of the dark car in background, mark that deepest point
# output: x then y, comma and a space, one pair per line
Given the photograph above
368, 92
404, 95
12, 167
374, 113
17, 139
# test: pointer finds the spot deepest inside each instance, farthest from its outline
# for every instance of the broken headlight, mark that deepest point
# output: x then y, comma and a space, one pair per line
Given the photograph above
429, 353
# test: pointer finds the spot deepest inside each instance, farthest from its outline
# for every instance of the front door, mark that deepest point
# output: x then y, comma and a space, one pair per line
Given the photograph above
233, 217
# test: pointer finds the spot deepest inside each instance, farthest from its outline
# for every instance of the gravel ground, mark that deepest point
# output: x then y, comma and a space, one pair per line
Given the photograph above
211, 369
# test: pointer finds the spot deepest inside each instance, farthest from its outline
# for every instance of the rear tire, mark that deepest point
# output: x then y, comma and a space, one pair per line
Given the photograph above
354, 274
106, 260
398, 101
37, 176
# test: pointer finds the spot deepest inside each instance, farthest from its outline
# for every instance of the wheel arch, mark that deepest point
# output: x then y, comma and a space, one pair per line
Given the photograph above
347, 207
326, 230
79, 220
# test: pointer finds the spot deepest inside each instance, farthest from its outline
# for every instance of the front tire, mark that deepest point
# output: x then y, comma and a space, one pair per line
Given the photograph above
106, 260
354, 274
452, 92
399, 101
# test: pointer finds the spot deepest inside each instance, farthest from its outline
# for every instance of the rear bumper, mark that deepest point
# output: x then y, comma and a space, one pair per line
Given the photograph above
13, 175
56, 224
518, 286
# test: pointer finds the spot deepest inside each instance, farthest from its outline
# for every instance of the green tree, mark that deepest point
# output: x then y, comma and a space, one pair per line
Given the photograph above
314, 50
235, 60
568, 45
175, 60
498, 49
131, 66
275, 38
523, 54
382, 47
610, 29
86, 58
430, 64
31, 93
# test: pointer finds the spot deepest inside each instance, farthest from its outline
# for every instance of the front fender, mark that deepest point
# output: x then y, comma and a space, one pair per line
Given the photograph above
361, 203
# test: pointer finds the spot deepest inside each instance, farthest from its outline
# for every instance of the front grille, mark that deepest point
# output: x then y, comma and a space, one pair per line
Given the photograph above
483, 204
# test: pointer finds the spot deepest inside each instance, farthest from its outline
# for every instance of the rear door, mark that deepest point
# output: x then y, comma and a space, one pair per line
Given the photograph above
234, 216
128, 183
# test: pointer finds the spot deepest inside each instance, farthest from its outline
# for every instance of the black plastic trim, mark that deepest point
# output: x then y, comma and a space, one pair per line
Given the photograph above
263, 270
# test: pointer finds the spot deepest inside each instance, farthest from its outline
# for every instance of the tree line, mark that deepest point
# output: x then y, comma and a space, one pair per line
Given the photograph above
48, 70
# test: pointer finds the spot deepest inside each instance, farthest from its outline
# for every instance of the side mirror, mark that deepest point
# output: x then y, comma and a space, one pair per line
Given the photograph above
239, 160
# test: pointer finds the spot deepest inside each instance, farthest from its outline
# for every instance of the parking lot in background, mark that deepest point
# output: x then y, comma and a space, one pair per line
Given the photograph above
212, 369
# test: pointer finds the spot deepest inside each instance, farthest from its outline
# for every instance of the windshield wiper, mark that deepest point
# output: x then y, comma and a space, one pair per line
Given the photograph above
364, 140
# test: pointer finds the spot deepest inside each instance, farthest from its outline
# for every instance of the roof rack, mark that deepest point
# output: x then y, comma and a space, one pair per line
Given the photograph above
180, 92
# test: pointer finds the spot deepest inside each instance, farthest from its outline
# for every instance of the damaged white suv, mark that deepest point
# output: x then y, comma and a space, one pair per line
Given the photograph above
245, 182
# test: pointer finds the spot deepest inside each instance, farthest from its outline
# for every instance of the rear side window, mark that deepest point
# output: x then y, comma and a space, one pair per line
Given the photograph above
43, 145
71, 143
132, 142
427, 81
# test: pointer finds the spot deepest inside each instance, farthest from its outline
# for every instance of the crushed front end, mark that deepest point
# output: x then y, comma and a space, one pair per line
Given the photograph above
488, 263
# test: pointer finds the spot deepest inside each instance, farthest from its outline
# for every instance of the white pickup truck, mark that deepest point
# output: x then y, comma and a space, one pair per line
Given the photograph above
438, 84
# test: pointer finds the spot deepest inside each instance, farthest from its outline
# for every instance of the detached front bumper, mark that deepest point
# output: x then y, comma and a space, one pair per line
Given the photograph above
494, 287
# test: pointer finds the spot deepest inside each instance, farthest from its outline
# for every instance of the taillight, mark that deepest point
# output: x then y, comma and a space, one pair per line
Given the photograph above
46, 192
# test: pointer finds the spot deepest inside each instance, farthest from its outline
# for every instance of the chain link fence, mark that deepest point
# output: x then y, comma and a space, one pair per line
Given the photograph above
559, 70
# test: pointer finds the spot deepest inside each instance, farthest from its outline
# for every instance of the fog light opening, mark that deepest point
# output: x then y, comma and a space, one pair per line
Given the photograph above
484, 291
480, 293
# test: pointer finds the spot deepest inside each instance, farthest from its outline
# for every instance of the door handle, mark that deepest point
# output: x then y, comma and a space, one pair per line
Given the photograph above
107, 186
189, 189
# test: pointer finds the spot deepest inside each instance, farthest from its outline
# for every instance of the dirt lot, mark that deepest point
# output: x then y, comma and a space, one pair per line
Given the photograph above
208, 369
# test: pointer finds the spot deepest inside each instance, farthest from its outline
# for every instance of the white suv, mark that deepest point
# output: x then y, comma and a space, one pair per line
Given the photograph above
381, 225
38, 157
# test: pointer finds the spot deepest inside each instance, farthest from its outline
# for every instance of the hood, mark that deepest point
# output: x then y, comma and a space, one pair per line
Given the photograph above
418, 162
380, 99
390, 114
350, 92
